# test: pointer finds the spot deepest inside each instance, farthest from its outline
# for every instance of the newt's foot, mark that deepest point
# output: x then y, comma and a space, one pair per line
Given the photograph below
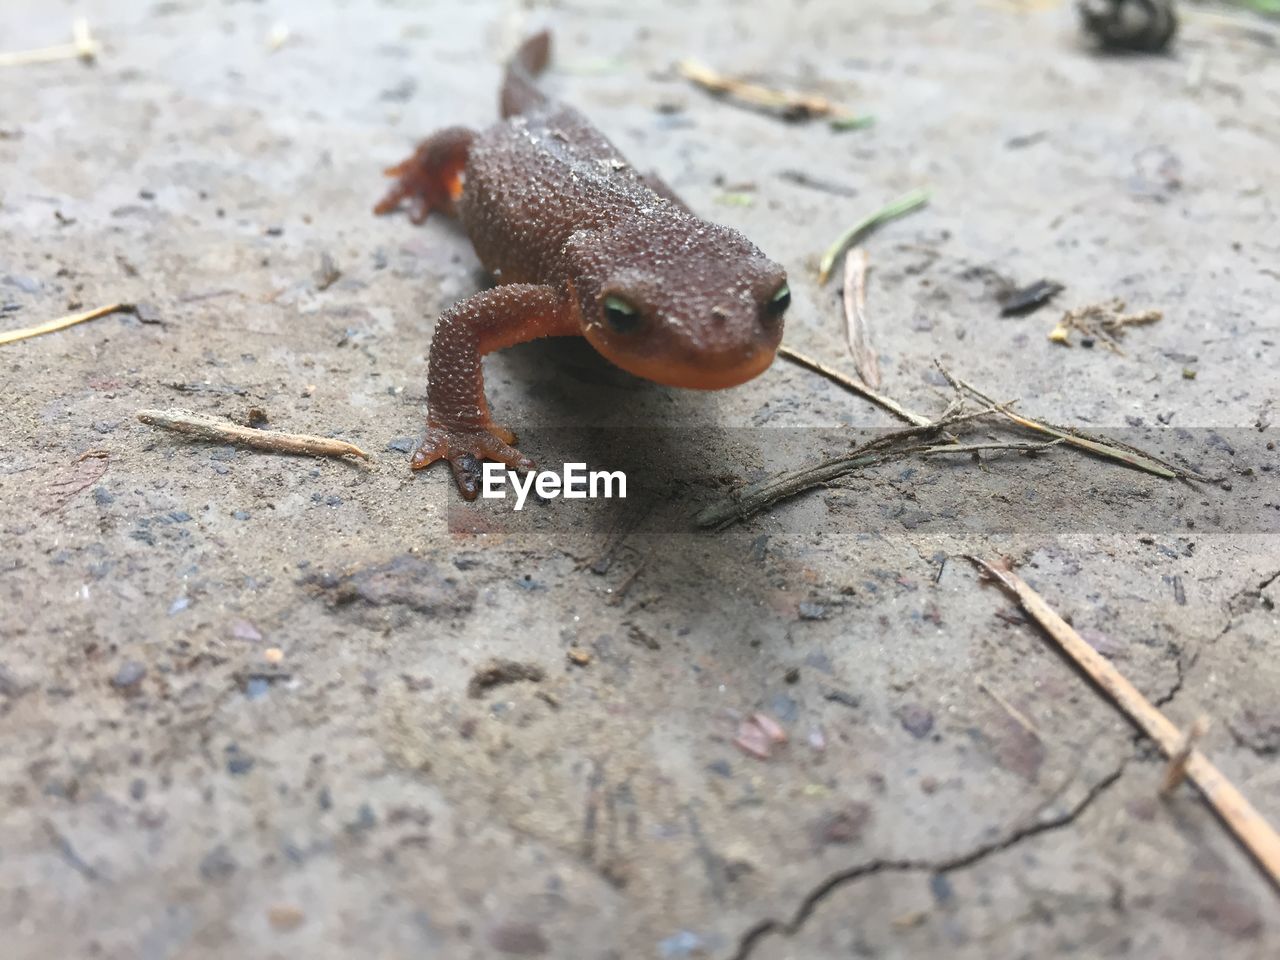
466, 450
431, 179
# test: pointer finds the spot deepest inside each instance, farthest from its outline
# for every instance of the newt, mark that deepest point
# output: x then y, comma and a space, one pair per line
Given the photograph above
579, 244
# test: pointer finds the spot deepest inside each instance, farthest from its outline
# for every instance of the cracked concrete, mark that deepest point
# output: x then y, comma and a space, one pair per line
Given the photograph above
236, 690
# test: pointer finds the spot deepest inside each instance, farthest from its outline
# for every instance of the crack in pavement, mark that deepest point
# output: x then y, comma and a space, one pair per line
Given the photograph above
753, 937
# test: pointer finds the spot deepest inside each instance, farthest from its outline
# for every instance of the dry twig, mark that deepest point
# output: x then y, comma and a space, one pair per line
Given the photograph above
70, 320
1176, 771
786, 103
856, 386
82, 46
1121, 453
856, 333
222, 431
755, 497
1248, 826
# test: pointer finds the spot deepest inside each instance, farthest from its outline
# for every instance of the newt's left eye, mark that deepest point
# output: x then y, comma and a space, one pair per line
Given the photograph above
780, 300
622, 316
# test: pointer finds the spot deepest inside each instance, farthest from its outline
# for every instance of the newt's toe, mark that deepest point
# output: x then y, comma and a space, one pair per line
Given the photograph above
467, 451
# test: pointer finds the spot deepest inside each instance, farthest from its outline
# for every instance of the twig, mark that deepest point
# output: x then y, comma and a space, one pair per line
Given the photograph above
1014, 713
1014, 445
26, 333
755, 497
789, 103
857, 386
856, 333
207, 428
82, 46
1248, 826
1176, 771
903, 205
1122, 454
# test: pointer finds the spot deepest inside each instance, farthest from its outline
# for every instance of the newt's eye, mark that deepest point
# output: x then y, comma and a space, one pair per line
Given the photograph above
780, 300
622, 316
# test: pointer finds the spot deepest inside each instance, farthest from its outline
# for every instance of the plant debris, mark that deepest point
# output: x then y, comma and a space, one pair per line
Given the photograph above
1248, 826
856, 334
223, 431
82, 47
758, 734
1028, 299
497, 673
61, 323
788, 105
1104, 322
855, 386
891, 211
1122, 453
81, 474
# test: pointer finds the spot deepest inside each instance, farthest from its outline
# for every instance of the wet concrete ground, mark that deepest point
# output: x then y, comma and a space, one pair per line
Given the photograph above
243, 697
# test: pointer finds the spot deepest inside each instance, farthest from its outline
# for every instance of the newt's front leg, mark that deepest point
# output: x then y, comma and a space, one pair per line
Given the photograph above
458, 426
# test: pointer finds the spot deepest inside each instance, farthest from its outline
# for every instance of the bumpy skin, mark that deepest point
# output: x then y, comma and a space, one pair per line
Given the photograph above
580, 244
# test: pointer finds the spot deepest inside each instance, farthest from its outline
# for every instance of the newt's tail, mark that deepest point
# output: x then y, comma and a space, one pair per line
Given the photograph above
520, 93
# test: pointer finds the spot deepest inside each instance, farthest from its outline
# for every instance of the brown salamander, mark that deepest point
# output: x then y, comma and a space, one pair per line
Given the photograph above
580, 245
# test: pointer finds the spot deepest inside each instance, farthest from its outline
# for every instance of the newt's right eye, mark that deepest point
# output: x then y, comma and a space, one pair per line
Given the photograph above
621, 316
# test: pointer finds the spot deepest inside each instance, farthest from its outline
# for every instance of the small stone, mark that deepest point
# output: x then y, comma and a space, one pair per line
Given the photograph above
940, 887
285, 917
519, 938
841, 826
273, 655
578, 656
129, 675
402, 444
217, 864
812, 611
244, 630
916, 720
102, 497
686, 943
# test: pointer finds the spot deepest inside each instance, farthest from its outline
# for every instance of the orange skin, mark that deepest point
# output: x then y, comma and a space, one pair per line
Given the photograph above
581, 245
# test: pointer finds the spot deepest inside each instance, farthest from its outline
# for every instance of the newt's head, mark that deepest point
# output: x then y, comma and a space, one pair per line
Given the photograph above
679, 301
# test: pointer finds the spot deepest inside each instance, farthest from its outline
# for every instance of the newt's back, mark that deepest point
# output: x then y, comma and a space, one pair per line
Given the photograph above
534, 180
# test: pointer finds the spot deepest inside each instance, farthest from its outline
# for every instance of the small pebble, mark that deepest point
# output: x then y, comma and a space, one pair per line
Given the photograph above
916, 720
812, 611
129, 675
285, 917
244, 630
257, 688
273, 655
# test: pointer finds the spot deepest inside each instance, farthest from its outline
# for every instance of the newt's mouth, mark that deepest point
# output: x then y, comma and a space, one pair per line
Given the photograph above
708, 375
